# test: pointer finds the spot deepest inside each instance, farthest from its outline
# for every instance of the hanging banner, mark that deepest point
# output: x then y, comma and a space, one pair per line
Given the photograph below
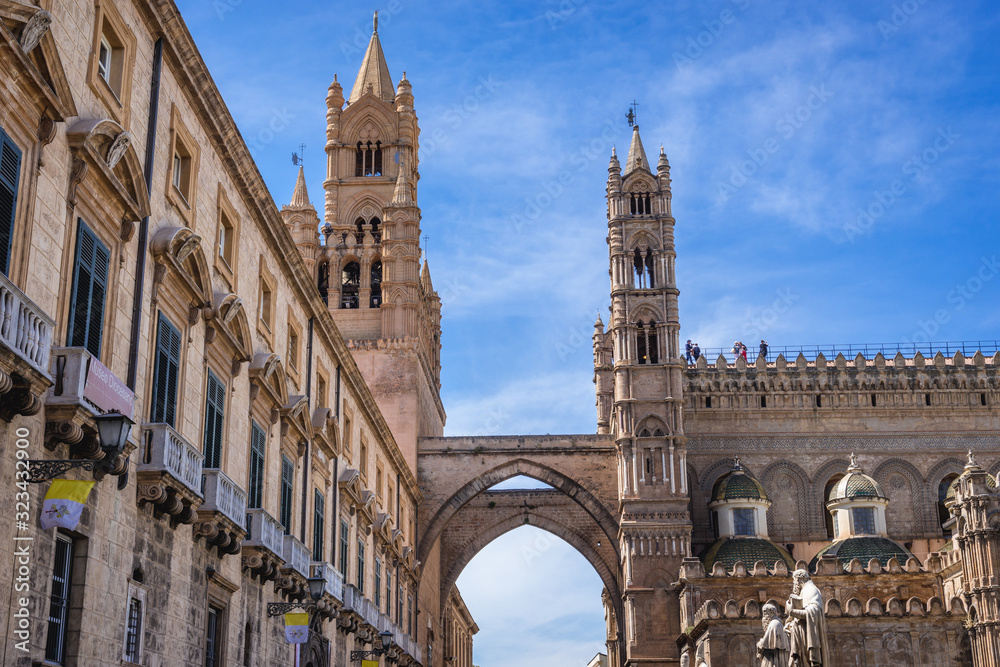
369, 663
297, 627
64, 503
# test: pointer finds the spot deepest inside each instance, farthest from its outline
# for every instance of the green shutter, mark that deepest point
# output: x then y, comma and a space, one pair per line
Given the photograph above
287, 474
10, 171
258, 440
344, 546
318, 518
215, 410
165, 373
90, 285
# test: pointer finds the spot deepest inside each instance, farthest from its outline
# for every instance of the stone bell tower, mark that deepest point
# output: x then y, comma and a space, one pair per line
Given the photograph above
642, 406
369, 268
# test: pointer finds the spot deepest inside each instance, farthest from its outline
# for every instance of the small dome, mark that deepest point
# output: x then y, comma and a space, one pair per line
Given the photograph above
747, 550
856, 485
953, 487
864, 549
737, 484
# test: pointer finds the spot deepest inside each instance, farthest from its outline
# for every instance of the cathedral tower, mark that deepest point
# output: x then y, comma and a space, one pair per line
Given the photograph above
644, 410
369, 269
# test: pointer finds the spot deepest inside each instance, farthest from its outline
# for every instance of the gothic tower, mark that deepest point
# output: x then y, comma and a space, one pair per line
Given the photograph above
369, 268
642, 406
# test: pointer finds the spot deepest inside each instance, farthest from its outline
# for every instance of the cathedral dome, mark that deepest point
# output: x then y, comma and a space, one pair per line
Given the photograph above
856, 486
863, 548
738, 485
747, 550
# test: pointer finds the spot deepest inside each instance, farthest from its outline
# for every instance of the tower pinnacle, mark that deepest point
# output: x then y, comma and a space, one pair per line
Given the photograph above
374, 71
636, 154
300, 196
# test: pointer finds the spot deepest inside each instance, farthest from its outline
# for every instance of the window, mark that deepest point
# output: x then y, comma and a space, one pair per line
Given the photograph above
319, 516
647, 347
378, 481
215, 410
836, 525
830, 527
293, 347
165, 373
363, 458
361, 566
640, 204
743, 521
134, 622
182, 172
377, 236
322, 399
388, 591
368, 159
258, 443
111, 61
345, 532
643, 269
399, 605
55, 640
388, 498
864, 520
90, 286
287, 476
347, 432
10, 172
713, 519
213, 637
228, 243
350, 284
375, 300
266, 304
247, 645
182, 177
378, 584
409, 614
336, 394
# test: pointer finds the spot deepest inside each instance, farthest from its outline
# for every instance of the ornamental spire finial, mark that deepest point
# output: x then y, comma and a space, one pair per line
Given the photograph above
375, 22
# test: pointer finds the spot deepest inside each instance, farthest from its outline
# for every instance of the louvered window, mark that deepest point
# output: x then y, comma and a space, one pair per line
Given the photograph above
287, 474
90, 285
378, 583
345, 532
258, 441
10, 170
361, 566
318, 518
166, 372
215, 410
55, 640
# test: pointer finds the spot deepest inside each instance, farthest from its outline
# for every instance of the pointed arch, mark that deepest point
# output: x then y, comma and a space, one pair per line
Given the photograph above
542, 473
369, 112
787, 487
642, 239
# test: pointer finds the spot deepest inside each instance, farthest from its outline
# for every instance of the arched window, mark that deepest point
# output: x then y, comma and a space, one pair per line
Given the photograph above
350, 282
649, 267
359, 225
359, 161
647, 348
830, 533
643, 269
376, 232
943, 514
378, 158
376, 274
323, 280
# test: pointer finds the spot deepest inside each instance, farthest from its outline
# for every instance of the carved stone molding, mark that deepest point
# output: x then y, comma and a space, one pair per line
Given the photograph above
77, 173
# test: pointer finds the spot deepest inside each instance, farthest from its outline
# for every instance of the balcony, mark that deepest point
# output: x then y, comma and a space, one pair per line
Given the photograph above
83, 388
26, 331
222, 517
297, 556
169, 474
263, 547
359, 610
334, 580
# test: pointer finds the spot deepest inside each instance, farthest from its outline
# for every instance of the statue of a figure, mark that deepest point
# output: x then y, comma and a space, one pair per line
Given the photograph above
806, 624
772, 649
35, 29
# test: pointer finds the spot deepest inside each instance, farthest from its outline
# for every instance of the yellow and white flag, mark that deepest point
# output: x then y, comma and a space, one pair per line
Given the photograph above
64, 503
369, 663
297, 627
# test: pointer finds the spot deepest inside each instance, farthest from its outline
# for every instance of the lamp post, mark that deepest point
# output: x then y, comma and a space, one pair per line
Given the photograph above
386, 643
113, 429
317, 585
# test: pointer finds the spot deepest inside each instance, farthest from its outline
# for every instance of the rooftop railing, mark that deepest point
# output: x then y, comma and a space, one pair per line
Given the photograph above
968, 348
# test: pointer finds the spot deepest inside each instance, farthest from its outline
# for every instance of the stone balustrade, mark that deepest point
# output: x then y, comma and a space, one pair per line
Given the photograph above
222, 517
297, 555
169, 473
264, 531
334, 586
25, 328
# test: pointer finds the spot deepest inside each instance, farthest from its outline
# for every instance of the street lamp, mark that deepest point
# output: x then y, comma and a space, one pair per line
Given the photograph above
317, 585
385, 637
113, 429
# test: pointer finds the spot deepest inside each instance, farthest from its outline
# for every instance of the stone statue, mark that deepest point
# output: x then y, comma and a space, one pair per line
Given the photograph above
772, 649
118, 148
35, 29
806, 624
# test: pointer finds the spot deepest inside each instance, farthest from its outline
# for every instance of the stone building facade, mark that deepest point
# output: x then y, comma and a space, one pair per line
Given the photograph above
282, 369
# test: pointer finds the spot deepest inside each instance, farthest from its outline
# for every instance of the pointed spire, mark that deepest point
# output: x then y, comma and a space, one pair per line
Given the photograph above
425, 278
401, 195
636, 154
300, 196
374, 71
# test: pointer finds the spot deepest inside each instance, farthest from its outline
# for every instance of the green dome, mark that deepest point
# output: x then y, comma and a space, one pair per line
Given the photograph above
864, 549
856, 485
738, 485
747, 550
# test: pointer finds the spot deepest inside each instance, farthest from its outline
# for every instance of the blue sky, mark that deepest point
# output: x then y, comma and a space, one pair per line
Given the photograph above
837, 162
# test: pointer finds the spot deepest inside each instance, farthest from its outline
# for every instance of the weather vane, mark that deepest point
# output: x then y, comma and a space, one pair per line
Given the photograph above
631, 114
300, 157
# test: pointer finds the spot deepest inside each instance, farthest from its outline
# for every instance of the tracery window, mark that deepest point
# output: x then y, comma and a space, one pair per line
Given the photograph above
368, 159
647, 347
640, 203
376, 276
642, 266
350, 283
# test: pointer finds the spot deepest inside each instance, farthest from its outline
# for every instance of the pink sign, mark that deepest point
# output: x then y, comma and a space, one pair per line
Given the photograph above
106, 391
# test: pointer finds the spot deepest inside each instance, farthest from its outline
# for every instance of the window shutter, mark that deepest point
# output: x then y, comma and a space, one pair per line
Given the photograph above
90, 284
165, 373
287, 473
215, 410
10, 171
318, 518
257, 443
